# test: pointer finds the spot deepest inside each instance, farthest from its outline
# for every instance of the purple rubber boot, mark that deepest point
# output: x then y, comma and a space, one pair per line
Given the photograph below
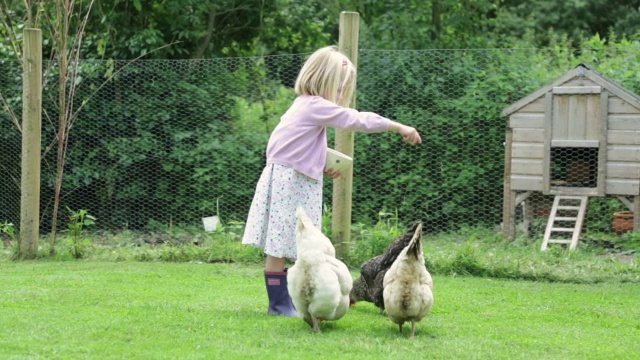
279, 299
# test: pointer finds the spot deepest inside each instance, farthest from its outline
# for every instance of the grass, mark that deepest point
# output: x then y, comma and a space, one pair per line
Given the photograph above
159, 310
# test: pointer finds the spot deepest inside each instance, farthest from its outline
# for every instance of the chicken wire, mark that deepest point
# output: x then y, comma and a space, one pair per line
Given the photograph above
168, 142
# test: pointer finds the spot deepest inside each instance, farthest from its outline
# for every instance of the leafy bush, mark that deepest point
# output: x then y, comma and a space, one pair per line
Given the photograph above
169, 142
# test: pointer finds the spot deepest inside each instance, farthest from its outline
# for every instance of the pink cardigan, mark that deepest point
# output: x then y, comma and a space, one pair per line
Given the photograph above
300, 139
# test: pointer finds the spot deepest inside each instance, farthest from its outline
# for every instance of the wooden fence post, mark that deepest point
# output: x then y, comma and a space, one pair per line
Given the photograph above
343, 186
31, 134
508, 207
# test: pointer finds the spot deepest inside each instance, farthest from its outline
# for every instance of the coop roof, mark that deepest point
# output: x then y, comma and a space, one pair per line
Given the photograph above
581, 70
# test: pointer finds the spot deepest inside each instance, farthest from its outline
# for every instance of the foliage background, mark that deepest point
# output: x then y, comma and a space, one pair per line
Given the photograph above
181, 134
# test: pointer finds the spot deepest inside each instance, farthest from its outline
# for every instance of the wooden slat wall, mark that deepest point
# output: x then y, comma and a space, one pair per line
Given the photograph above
619, 106
622, 137
623, 153
525, 182
528, 135
622, 187
522, 120
527, 150
623, 170
623, 150
624, 122
526, 166
536, 106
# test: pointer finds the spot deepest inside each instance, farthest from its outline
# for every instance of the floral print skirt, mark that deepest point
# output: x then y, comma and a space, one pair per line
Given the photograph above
271, 224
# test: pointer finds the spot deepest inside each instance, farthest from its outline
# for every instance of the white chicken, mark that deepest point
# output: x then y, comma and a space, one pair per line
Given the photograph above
408, 286
318, 283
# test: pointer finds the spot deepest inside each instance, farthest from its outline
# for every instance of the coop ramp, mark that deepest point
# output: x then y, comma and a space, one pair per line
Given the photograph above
565, 221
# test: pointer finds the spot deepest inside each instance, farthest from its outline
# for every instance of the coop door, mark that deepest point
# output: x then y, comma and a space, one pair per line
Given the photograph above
574, 160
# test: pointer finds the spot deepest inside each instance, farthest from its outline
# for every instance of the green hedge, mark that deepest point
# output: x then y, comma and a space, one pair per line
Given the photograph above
171, 141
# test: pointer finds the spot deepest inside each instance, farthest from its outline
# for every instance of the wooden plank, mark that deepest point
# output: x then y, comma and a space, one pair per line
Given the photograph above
624, 122
528, 214
508, 196
602, 151
593, 118
578, 226
348, 33
548, 135
579, 81
620, 106
577, 90
526, 182
636, 213
528, 150
522, 197
526, 167
574, 191
528, 135
621, 137
31, 144
536, 106
623, 153
527, 120
623, 187
575, 143
561, 112
623, 170
550, 221
576, 123
628, 203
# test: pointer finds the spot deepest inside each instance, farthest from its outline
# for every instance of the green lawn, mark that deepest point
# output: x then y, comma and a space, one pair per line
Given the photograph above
155, 310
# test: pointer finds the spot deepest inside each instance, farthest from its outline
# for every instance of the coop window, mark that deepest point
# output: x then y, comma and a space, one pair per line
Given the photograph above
574, 167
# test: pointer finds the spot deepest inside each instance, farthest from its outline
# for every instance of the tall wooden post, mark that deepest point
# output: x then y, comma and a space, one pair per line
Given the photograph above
509, 196
343, 186
31, 133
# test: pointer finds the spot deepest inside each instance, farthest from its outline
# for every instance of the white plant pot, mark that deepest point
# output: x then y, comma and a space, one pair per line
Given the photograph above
210, 223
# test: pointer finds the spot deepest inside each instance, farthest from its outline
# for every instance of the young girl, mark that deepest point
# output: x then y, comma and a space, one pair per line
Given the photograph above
296, 155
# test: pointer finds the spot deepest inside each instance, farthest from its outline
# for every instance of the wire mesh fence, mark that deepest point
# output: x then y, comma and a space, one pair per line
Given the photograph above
170, 142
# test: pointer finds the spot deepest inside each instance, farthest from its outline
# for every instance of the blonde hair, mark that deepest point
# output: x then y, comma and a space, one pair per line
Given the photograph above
327, 73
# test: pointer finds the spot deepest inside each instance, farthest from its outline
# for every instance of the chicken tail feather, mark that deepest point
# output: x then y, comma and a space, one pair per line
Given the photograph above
303, 219
415, 247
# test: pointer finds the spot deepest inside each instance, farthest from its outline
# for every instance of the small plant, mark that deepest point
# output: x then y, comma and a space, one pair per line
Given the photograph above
10, 243
9, 229
370, 241
75, 239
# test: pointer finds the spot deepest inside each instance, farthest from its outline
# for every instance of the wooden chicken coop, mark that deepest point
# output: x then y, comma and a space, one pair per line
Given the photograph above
575, 138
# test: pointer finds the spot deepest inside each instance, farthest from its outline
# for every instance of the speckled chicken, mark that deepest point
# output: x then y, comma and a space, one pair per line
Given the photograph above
408, 286
369, 287
318, 283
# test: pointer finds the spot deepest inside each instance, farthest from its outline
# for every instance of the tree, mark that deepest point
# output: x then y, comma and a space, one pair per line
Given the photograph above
126, 29
415, 24
575, 19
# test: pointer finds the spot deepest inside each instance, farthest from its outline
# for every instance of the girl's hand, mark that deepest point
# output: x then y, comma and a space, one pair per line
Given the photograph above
332, 174
410, 134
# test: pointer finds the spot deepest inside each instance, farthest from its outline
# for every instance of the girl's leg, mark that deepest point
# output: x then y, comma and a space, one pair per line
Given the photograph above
275, 279
274, 264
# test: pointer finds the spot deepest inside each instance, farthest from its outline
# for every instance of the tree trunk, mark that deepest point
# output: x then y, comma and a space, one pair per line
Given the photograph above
63, 62
202, 48
436, 19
